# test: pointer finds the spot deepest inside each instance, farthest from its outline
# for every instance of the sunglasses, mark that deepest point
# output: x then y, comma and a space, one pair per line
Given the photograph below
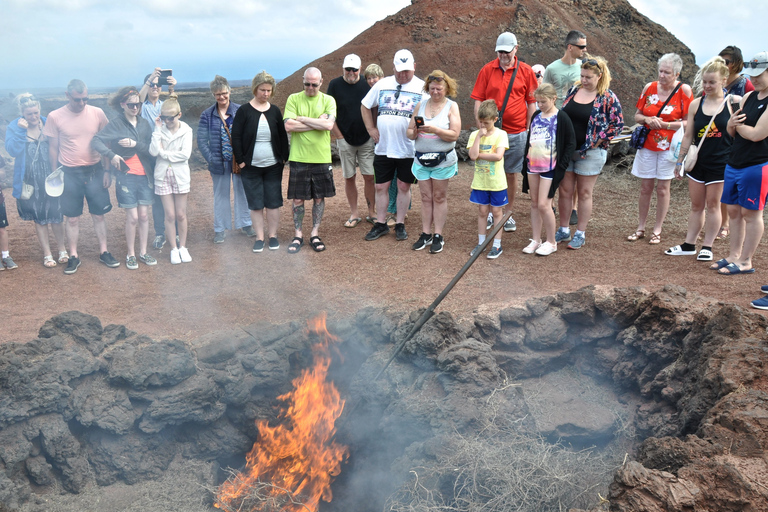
132, 105
502, 52
754, 64
155, 86
79, 100
397, 92
590, 62
310, 84
433, 78
728, 62
580, 46
538, 75
168, 118
352, 70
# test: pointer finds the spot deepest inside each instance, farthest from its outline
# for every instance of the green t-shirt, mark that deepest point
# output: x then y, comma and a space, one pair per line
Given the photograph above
562, 76
489, 175
314, 146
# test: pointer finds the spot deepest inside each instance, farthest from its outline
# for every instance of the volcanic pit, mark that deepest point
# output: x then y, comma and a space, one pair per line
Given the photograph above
649, 400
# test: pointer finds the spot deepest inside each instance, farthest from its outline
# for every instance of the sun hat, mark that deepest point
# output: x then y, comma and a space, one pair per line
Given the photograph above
54, 183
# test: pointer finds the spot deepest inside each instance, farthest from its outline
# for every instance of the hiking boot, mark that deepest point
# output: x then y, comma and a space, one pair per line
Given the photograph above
72, 265
109, 260
159, 242
400, 232
378, 230
494, 253
437, 244
563, 235
218, 237
424, 240
131, 263
510, 225
147, 259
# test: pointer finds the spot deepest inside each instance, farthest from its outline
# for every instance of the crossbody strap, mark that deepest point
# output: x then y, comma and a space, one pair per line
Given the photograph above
668, 97
509, 89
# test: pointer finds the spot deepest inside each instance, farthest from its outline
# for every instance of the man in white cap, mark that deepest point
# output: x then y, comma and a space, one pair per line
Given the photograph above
395, 96
352, 140
492, 83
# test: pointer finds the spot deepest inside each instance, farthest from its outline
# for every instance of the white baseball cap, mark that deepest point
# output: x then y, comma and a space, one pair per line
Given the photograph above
538, 69
351, 61
757, 64
54, 183
506, 42
404, 61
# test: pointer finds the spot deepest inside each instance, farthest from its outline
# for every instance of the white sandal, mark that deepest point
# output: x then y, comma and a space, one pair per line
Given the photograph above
63, 257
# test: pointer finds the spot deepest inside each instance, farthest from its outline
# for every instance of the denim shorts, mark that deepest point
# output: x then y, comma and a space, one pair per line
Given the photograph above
84, 182
133, 190
591, 165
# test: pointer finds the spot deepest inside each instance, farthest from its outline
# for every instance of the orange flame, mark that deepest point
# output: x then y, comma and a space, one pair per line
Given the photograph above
292, 465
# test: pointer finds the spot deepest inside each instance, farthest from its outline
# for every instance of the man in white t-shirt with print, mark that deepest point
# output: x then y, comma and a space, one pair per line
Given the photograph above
395, 96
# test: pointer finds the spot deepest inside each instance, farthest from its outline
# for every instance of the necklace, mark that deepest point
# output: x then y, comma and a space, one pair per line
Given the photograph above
435, 109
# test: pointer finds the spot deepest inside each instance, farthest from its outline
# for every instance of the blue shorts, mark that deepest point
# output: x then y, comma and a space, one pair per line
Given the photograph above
549, 175
433, 173
747, 187
133, 190
495, 198
591, 165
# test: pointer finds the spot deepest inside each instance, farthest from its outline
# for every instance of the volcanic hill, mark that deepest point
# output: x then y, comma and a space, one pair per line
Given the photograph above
459, 36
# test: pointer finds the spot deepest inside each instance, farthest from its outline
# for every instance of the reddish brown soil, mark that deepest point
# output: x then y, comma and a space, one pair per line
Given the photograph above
228, 284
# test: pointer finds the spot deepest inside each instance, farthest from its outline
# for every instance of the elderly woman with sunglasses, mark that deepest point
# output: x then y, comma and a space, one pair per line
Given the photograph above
125, 143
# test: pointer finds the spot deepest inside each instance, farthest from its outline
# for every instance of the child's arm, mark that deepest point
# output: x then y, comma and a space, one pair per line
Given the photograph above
474, 150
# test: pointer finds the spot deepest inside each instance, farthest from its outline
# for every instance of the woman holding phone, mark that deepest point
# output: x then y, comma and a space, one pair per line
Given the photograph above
125, 142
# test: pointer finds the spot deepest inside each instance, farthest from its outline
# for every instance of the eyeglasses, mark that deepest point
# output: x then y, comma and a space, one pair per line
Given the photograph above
132, 105
433, 78
397, 92
580, 46
221, 94
352, 70
155, 85
754, 64
169, 118
79, 100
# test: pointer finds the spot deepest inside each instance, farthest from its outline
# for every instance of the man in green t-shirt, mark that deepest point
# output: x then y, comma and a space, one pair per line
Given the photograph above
309, 118
564, 72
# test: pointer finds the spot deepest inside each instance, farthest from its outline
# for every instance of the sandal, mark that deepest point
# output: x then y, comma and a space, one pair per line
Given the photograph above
63, 257
351, 223
370, 219
295, 245
655, 239
637, 235
719, 264
317, 244
49, 262
723, 233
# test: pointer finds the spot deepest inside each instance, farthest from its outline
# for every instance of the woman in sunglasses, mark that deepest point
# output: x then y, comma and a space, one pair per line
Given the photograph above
125, 143
172, 145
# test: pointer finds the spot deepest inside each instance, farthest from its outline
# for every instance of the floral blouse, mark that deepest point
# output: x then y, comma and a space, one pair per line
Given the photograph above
676, 110
605, 122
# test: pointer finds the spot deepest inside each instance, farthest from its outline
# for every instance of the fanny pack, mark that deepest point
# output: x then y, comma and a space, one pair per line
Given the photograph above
432, 158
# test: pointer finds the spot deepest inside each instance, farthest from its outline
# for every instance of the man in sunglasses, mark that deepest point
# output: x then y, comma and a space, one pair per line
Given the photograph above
309, 118
493, 84
354, 144
564, 72
149, 94
69, 130
395, 96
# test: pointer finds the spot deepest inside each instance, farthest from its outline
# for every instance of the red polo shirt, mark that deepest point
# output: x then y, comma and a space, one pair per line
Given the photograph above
492, 83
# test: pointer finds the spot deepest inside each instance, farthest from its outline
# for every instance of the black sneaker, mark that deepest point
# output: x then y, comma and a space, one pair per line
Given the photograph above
378, 230
437, 244
258, 246
109, 260
72, 265
159, 242
274, 243
424, 240
400, 233
574, 218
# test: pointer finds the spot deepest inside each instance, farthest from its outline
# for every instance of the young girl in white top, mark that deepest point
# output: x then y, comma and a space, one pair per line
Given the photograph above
172, 145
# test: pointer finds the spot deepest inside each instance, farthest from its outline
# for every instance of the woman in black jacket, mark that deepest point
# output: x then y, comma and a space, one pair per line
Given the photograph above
260, 148
125, 142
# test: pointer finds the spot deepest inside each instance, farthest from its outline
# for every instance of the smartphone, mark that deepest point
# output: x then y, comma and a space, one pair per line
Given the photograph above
419, 121
164, 74
734, 104
124, 166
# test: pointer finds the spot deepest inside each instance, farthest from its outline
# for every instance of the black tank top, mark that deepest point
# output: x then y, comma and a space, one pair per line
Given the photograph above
579, 113
745, 153
713, 154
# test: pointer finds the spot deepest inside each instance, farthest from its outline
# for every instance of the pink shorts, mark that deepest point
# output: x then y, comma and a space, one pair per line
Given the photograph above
170, 185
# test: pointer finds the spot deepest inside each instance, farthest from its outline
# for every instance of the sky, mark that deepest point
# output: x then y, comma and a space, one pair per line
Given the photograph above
45, 43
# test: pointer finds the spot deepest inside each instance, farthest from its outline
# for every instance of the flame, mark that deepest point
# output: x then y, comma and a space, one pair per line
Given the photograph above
291, 466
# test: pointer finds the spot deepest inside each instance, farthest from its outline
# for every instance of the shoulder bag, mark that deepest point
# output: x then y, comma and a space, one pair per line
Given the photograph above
640, 134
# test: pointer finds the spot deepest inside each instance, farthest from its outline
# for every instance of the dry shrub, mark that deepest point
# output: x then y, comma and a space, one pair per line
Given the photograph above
258, 496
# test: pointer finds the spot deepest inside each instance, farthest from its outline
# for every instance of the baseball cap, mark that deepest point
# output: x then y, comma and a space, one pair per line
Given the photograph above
757, 64
538, 69
54, 183
351, 61
506, 42
404, 61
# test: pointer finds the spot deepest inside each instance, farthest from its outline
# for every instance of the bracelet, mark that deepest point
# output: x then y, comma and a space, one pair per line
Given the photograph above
678, 164
668, 126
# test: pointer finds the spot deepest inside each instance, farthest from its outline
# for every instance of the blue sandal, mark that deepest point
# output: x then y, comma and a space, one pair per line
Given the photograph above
718, 264
733, 269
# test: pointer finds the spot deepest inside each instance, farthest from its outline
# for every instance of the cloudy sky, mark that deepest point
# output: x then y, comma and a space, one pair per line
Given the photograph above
44, 43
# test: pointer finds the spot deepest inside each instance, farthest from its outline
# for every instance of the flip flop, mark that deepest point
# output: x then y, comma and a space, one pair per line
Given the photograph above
351, 223
317, 244
718, 264
370, 219
295, 245
733, 269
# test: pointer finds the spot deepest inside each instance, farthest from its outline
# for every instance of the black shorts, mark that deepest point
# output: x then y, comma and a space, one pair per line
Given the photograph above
3, 215
310, 181
85, 182
386, 169
263, 186
701, 174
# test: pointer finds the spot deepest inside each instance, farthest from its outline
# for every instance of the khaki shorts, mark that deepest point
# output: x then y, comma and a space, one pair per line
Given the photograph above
353, 156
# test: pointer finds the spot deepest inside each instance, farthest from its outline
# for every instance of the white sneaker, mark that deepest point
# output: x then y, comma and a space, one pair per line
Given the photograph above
184, 254
531, 247
546, 249
175, 256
